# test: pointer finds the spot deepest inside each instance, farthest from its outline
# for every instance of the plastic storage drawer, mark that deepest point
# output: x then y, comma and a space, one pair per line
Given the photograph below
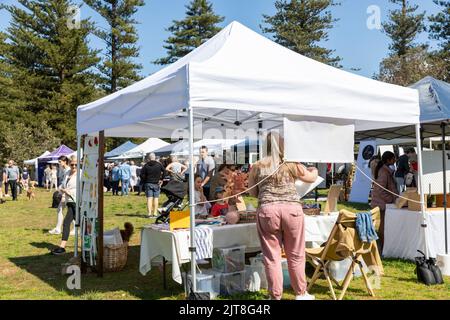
229, 260
206, 282
232, 283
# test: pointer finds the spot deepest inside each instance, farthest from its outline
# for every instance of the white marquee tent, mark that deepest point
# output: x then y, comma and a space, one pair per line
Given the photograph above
242, 80
35, 162
181, 148
143, 149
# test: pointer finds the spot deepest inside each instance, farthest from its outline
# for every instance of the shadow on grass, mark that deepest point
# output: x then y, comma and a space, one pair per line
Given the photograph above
143, 216
48, 269
43, 245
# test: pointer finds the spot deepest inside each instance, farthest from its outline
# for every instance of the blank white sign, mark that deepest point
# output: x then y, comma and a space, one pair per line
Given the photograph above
308, 141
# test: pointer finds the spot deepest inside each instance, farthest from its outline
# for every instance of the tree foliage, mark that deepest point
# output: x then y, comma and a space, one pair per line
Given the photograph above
199, 25
440, 30
301, 25
52, 64
408, 61
118, 69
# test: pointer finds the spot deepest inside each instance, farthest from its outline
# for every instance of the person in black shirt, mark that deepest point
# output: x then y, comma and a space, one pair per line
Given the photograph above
151, 177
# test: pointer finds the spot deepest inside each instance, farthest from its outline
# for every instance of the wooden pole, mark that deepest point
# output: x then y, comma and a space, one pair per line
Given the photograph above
101, 172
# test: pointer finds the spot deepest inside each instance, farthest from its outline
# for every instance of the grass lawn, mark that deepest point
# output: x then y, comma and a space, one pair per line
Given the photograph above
28, 271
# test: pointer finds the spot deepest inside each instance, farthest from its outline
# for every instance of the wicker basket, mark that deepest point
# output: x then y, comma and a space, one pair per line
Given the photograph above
115, 257
311, 211
247, 217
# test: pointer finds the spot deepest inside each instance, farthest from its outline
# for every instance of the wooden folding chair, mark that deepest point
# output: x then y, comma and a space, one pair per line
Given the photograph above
332, 198
323, 256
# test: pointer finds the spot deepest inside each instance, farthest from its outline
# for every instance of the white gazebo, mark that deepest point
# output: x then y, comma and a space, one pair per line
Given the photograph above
240, 80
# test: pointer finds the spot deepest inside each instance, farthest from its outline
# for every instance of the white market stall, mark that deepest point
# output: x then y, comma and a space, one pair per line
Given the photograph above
240, 80
143, 149
35, 163
434, 98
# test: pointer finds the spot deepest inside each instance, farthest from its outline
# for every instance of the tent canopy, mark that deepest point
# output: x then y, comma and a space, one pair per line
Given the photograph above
33, 161
127, 146
214, 145
144, 148
434, 97
239, 78
62, 150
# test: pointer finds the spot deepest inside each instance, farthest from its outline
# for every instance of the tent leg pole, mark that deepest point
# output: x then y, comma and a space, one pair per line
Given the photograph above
444, 172
77, 205
421, 191
192, 198
100, 176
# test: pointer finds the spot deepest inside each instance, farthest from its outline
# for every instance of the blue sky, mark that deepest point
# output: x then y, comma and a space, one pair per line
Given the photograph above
358, 46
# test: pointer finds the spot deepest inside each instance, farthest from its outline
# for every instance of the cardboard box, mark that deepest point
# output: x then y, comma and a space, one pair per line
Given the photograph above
403, 201
414, 206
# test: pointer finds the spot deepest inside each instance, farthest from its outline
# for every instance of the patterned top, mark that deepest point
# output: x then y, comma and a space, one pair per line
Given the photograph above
276, 189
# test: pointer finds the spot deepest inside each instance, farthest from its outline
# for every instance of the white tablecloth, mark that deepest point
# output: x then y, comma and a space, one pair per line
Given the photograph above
403, 233
174, 246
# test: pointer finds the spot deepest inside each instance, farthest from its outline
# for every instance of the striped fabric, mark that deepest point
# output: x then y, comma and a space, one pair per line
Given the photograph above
203, 242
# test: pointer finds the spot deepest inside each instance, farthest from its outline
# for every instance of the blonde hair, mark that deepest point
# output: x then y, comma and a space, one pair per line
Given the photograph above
273, 157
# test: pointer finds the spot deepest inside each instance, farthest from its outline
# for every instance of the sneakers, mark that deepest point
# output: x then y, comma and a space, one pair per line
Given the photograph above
54, 231
305, 296
58, 251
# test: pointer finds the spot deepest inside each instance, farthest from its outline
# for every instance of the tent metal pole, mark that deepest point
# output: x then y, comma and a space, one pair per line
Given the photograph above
77, 205
192, 198
100, 201
421, 191
444, 173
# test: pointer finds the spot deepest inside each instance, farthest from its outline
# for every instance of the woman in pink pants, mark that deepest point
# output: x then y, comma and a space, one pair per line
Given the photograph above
280, 216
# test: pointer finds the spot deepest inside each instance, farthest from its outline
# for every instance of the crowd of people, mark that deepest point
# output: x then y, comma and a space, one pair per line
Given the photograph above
150, 176
15, 180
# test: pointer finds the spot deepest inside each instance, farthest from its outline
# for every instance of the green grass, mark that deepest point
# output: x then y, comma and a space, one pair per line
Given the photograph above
28, 271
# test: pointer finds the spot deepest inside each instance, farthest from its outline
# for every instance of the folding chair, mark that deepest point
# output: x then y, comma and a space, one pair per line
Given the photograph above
332, 198
332, 251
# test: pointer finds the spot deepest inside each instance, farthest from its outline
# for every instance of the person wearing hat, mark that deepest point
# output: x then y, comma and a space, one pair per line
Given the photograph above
220, 208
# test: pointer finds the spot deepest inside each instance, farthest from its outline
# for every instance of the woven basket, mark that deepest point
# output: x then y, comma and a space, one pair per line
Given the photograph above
247, 217
311, 211
115, 257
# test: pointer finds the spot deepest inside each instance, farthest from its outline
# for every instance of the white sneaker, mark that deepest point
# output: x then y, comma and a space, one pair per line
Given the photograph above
305, 296
72, 233
54, 231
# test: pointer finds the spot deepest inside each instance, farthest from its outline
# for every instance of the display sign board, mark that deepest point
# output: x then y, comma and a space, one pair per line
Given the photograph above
432, 172
361, 184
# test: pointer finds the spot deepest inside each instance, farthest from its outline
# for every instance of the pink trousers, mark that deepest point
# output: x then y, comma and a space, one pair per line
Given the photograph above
282, 225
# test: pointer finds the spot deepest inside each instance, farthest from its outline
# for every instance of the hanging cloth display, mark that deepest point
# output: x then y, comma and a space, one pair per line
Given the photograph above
89, 198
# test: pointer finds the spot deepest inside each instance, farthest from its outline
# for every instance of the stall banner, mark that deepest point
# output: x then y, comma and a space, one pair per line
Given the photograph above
318, 142
89, 199
361, 185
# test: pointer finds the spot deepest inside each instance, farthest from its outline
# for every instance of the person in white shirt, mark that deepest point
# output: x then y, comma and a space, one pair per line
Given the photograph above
134, 177
64, 172
69, 190
176, 169
53, 178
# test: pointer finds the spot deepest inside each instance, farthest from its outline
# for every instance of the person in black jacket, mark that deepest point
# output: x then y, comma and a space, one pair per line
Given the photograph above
151, 176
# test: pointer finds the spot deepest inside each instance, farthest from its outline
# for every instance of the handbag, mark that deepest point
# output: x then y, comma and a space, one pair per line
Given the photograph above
427, 271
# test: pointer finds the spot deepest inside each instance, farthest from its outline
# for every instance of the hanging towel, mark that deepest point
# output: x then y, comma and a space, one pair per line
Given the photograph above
365, 228
203, 243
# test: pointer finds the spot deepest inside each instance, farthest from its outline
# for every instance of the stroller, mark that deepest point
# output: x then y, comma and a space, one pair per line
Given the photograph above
175, 191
